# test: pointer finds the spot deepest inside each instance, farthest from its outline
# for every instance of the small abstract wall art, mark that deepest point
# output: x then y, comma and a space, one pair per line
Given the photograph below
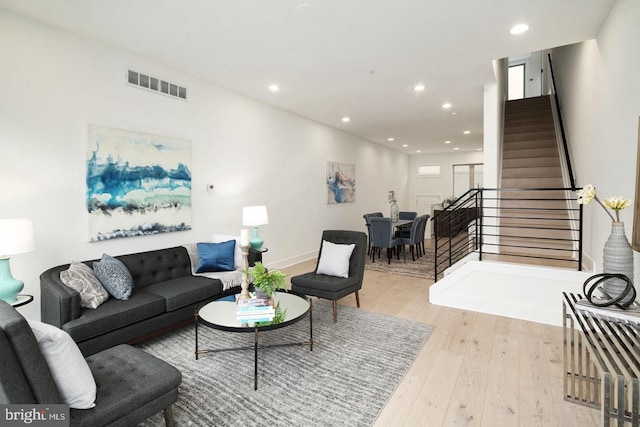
137, 184
341, 182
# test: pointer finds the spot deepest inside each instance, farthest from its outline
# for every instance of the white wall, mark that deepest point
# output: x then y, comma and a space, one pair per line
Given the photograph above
55, 83
598, 85
438, 185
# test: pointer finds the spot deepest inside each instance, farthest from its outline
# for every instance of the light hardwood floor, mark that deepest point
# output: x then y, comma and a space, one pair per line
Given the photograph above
475, 369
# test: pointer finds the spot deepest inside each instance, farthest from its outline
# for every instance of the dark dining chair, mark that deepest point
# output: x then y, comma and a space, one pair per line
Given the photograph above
382, 237
414, 238
407, 215
331, 287
366, 221
423, 228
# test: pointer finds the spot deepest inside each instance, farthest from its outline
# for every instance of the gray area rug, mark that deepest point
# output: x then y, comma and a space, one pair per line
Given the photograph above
422, 267
355, 366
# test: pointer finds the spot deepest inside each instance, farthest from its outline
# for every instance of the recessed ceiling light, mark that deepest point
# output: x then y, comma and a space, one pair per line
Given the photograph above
447, 142
519, 29
454, 113
418, 151
456, 148
273, 87
346, 119
405, 145
419, 87
390, 139
467, 132
478, 149
446, 105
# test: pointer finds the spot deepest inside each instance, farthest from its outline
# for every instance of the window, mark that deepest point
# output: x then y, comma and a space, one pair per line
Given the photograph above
466, 177
516, 82
433, 170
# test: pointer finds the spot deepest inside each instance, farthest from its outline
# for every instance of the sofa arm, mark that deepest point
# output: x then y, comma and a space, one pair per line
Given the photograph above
59, 304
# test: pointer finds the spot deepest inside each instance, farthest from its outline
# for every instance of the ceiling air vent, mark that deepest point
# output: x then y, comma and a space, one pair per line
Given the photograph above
157, 85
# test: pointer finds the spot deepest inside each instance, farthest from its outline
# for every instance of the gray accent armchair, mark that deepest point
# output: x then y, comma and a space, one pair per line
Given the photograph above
131, 385
330, 287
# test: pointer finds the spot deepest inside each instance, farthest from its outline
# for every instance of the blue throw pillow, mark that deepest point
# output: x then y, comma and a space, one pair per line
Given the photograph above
215, 256
114, 276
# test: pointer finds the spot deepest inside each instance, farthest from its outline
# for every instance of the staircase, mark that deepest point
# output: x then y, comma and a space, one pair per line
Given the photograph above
530, 160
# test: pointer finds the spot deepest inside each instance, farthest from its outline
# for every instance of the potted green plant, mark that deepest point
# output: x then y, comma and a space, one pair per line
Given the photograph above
449, 201
266, 282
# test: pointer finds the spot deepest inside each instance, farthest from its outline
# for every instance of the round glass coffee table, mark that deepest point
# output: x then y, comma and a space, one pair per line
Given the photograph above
221, 314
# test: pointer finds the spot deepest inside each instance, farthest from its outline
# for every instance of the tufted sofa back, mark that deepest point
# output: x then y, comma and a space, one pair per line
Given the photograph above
157, 266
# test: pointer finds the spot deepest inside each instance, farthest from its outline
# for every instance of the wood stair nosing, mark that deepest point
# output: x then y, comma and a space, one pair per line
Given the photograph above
527, 120
553, 182
536, 244
527, 104
554, 255
528, 136
530, 144
530, 152
532, 172
528, 128
531, 162
533, 196
524, 208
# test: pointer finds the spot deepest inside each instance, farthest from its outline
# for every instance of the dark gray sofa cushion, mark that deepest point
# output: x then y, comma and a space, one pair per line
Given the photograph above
114, 314
184, 291
323, 286
148, 379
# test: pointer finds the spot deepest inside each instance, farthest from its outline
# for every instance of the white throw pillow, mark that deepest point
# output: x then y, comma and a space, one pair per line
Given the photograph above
237, 255
334, 259
67, 365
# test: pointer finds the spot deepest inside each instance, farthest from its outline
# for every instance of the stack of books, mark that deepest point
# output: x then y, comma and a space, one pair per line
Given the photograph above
255, 310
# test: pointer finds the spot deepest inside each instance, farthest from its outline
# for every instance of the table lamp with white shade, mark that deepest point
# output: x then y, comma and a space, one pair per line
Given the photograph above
16, 237
253, 216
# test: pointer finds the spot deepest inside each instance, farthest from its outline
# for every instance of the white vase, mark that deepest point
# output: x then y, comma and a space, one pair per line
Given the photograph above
617, 257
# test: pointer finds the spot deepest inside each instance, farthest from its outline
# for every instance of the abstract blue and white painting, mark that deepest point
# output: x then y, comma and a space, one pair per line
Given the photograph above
137, 183
341, 182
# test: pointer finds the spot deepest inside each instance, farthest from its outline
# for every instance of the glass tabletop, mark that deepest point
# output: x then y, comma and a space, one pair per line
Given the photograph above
222, 314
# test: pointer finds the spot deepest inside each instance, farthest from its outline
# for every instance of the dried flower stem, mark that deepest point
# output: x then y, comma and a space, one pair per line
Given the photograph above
616, 219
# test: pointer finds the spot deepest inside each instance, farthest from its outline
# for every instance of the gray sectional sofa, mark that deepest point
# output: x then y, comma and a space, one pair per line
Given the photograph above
165, 294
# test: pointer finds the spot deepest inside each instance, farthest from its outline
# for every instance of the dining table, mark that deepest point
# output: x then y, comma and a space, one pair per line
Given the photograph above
403, 227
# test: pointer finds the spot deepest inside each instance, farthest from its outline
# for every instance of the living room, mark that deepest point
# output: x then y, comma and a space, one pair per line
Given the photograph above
56, 83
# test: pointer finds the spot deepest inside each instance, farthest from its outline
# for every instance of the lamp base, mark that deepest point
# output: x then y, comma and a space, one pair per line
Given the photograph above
9, 286
256, 241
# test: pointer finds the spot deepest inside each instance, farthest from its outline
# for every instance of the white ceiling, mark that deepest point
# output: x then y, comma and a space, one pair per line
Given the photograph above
335, 58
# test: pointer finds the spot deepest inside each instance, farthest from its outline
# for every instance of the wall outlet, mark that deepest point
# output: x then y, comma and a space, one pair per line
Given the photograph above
210, 188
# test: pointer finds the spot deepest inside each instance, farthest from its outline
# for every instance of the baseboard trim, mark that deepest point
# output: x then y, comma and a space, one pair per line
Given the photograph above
287, 262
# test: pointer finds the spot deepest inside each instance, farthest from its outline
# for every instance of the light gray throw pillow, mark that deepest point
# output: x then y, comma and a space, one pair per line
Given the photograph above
80, 277
69, 369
